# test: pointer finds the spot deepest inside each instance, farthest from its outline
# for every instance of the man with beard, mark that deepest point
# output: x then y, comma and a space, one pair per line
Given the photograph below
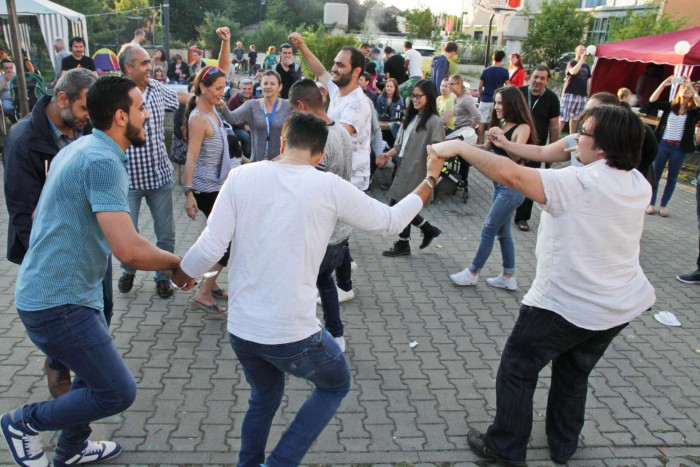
77, 59
31, 146
289, 72
351, 108
82, 218
150, 170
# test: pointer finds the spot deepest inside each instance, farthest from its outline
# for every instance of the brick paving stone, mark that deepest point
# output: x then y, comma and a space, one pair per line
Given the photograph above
406, 404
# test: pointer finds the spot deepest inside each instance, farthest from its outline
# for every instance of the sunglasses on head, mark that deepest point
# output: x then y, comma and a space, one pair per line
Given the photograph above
208, 70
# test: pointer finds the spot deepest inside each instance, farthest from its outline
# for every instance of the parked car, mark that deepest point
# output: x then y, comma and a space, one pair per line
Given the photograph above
564, 59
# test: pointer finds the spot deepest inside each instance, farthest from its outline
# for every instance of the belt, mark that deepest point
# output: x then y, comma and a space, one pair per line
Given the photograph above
668, 141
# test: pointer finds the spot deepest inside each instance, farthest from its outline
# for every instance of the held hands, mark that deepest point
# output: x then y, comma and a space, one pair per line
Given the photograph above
224, 33
495, 136
181, 281
382, 159
191, 206
296, 39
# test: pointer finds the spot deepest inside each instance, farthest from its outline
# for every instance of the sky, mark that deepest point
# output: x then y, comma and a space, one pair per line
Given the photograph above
452, 7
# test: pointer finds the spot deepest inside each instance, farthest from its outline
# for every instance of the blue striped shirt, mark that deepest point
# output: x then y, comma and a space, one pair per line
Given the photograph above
67, 257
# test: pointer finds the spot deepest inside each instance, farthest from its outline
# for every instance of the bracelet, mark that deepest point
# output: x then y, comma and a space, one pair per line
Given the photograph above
427, 180
175, 286
432, 179
189, 189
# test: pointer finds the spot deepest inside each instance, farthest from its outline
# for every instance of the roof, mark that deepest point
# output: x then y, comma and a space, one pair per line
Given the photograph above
655, 49
41, 7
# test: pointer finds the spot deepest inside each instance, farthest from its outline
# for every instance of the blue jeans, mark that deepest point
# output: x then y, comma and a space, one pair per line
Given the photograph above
497, 224
538, 337
317, 359
108, 311
327, 289
102, 387
674, 155
244, 137
160, 202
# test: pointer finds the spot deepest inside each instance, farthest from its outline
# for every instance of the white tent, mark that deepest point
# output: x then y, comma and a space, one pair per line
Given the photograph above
55, 21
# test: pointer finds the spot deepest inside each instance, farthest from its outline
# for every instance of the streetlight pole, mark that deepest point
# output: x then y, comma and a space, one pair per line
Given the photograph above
166, 29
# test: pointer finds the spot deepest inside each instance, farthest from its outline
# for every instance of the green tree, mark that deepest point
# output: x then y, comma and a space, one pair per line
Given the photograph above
270, 33
207, 31
419, 23
558, 28
324, 46
643, 24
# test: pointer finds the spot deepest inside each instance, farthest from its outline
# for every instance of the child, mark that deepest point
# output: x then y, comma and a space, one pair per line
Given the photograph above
159, 75
252, 58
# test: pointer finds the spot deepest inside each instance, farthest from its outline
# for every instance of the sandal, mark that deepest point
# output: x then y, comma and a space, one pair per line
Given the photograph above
663, 212
220, 294
213, 308
650, 210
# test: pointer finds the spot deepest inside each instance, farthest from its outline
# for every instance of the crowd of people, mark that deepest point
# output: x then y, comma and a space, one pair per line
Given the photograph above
78, 167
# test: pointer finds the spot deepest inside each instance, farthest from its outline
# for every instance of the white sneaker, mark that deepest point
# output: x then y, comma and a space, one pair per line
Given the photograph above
464, 277
353, 266
341, 343
503, 283
344, 296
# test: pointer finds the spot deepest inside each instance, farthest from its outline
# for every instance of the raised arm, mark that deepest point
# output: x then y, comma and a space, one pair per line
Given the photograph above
225, 52
311, 60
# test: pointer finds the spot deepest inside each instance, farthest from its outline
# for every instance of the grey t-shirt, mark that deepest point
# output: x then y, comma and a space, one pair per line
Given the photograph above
338, 160
466, 113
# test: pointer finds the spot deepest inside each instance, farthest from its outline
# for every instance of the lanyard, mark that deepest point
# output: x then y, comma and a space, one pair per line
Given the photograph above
529, 99
268, 121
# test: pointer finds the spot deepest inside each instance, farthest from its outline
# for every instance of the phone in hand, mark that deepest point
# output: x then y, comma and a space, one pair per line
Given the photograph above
677, 80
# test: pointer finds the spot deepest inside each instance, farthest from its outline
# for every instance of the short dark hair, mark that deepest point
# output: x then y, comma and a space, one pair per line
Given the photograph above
365, 45
285, 46
366, 76
408, 44
6, 60
451, 47
125, 57
499, 55
75, 39
357, 58
619, 133
388, 50
543, 68
73, 82
305, 131
605, 98
105, 97
306, 91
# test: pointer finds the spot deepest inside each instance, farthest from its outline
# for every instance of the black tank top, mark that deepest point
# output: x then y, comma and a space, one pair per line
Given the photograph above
500, 151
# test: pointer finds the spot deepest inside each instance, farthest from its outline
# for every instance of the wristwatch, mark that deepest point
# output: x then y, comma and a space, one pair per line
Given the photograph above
189, 189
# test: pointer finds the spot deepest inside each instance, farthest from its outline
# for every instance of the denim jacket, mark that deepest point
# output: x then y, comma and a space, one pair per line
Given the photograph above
386, 112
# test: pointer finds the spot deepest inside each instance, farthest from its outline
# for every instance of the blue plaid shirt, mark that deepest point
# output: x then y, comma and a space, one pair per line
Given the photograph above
149, 166
62, 140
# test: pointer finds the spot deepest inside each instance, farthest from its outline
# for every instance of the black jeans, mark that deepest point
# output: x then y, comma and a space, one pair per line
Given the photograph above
326, 287
541, 336
205, 203
418, 221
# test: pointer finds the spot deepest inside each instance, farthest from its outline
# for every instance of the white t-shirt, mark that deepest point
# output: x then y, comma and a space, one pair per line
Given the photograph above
279, 219
587, 251
354, 109
415, 63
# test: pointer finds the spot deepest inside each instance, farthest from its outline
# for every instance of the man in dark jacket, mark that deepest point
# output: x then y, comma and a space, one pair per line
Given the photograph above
441, 64
31, 145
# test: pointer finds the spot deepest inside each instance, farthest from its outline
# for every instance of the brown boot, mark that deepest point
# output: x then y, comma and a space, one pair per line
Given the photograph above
58, 380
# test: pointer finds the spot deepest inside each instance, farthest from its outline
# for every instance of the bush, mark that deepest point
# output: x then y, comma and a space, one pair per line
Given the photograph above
325, 47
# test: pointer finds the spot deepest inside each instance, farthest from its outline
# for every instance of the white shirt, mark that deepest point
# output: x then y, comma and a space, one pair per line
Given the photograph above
279, 219
587, 251
354, 109
415, 63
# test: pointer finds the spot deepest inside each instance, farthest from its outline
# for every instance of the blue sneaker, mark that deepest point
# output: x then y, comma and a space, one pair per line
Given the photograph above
25, 444
92, 452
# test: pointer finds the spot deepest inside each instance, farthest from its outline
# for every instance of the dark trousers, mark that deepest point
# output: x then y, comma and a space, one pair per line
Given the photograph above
343, 273
418, 221
108, 311
205, 203
524, 211
539, 337
326, 287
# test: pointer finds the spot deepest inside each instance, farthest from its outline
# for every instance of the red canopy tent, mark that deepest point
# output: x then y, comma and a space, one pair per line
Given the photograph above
620, 64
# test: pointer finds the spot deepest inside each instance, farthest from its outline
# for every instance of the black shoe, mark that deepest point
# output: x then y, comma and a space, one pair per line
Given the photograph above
523, 226
126, 282
163, 289
429, 233
692, 278
476, 442
400, 248
556, 459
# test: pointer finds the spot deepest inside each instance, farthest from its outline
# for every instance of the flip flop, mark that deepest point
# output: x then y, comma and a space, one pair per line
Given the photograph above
213, 308
220, 293
663, 212
650, 210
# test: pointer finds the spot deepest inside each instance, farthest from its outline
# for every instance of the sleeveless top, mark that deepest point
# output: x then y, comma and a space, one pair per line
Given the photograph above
508, 134
214, 162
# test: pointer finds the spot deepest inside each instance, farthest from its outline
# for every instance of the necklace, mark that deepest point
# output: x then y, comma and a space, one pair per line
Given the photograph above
287, 158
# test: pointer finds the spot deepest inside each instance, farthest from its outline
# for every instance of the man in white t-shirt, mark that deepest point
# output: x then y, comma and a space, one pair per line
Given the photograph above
582, 296
413, 63
350, 107
272, 324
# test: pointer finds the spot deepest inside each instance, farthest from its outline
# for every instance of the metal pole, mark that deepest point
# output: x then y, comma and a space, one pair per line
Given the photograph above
166, 29
488, 43
19, 63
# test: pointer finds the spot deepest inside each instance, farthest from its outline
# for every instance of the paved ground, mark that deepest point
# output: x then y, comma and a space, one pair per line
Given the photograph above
408, 406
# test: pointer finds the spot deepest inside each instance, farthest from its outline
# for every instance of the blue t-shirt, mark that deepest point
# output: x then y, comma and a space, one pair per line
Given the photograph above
493, 77
67, 257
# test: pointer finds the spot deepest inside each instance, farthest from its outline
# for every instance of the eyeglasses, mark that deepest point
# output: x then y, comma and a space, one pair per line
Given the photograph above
416, 97
208, 70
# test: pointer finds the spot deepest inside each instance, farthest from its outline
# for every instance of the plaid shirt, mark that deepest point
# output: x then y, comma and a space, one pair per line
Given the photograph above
62, 140
149, 166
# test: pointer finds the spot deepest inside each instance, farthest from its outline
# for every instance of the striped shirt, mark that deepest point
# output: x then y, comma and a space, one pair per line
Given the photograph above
149, 166
213, 163
68, 252
62, 139
674, 127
